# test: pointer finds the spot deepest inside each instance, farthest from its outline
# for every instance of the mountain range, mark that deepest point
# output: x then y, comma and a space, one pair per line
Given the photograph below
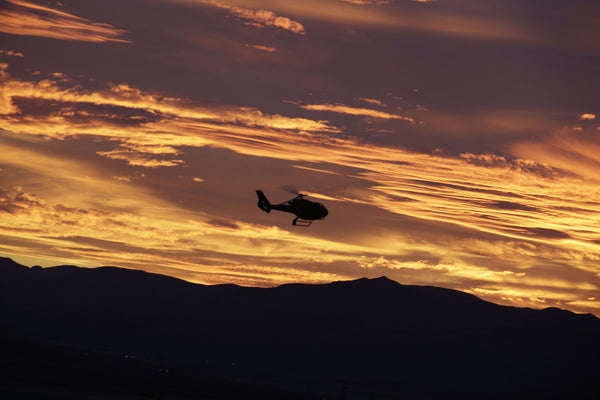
69, 332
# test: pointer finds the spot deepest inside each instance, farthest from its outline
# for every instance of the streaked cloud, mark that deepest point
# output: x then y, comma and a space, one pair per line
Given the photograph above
373, 101
572, 148
156, 234
267, 49
591, 304
399, 16
517, 200
144, 156
260, 18
463, 20
423, 186
365, 112
367, 2
483, 179
140, 106
25, 18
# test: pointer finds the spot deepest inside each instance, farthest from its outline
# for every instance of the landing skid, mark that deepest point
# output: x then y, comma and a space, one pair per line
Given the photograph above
301, 222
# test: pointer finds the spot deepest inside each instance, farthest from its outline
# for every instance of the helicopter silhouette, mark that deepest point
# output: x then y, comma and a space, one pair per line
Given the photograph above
306, 211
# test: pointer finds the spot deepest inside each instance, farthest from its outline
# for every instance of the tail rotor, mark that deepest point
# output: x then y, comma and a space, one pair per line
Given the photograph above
263, 203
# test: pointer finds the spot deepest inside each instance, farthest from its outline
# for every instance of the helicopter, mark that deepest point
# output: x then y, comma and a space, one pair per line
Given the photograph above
306, 211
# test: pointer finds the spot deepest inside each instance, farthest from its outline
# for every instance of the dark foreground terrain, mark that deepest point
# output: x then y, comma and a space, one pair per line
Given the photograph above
110, 333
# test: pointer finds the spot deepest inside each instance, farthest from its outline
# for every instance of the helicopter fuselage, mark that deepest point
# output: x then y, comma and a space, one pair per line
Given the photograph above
305, 211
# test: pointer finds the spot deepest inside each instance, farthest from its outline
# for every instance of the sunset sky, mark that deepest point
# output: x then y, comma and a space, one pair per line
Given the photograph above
455, 143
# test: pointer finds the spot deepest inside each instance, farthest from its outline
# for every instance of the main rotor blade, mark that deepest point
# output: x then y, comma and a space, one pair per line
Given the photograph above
290, 188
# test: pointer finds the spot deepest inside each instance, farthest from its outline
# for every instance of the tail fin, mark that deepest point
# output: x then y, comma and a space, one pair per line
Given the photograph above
263, 203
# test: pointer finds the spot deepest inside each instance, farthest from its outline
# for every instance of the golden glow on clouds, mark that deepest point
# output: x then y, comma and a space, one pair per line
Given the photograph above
260, 18
259, 275
519, 297
474, 273
453, 269
591, 303
587, 116
366, 112
427, 19
373, 101
570, 149
11, 53
267, 49
424, 191
141, 157
530, 212
144, 230
460, 20
24, 18
366, 2
149, 138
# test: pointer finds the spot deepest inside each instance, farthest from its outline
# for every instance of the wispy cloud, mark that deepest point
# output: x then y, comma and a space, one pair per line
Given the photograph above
267, 49
11, 53
156, 233
400, 16
373, 101
142, 156
24, 18
367, 2
365, 112
420, 185
386, 14
260, 18
522, 210
573, 148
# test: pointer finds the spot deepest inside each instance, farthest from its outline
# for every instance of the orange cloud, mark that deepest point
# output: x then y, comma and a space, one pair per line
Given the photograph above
366, 112
24, 18
367, 2
587, 116
267, 49
260, 18
410, 188
139, 106
573, 150
592, 304
164, 237
11, 53
426, 19
464, 270
260, 275
522, 211
139, 157
490, 122
373, 101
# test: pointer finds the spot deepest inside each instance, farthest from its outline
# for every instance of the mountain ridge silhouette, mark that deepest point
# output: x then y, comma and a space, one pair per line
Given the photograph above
375, 334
